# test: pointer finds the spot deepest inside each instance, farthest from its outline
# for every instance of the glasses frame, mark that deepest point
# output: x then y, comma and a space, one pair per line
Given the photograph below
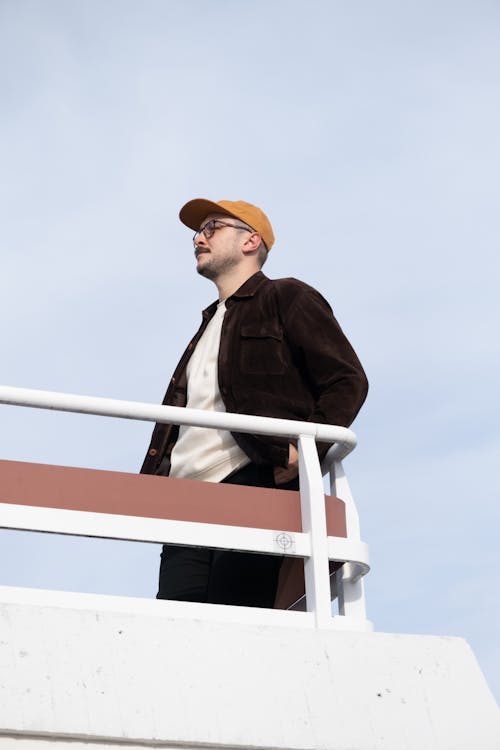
209, 229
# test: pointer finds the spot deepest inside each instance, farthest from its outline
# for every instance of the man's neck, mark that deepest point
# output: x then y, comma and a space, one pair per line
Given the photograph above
228, 285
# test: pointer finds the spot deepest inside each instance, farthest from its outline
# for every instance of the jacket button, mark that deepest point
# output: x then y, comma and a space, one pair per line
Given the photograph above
173, 381
153, 452
190, 346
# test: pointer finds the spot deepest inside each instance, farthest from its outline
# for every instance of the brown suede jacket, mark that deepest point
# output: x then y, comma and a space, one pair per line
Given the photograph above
282, 354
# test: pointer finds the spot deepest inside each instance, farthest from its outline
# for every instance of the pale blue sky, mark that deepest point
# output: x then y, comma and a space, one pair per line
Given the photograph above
369, 132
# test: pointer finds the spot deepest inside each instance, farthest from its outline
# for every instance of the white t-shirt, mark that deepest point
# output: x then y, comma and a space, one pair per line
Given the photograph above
200, 452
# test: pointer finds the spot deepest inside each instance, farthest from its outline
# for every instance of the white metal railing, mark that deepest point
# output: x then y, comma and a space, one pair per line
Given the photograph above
313, 544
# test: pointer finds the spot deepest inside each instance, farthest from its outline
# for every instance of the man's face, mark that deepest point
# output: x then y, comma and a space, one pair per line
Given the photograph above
222, 251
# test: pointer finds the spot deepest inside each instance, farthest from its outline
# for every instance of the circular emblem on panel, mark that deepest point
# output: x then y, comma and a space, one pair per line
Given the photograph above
284, 540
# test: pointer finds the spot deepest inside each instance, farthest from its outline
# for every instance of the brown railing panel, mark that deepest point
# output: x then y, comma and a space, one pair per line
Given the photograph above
98, 491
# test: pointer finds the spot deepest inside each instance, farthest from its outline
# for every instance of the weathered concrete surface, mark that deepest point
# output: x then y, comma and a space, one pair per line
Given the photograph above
160, 673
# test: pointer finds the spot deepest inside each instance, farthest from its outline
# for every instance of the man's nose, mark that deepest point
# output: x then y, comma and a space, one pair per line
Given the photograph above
201, 240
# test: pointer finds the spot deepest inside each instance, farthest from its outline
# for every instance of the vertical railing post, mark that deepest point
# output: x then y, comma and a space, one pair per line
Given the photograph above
312, 500
350, 592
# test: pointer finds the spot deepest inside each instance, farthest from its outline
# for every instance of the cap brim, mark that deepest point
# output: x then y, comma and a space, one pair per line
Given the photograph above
194, 212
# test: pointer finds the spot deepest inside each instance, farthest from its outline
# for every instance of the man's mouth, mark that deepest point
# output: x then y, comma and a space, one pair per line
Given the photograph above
200, 252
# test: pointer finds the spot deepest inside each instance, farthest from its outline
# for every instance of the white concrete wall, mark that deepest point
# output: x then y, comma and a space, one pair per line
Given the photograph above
22, 743
105, 669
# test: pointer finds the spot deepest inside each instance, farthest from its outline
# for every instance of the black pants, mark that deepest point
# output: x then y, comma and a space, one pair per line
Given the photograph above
196, 574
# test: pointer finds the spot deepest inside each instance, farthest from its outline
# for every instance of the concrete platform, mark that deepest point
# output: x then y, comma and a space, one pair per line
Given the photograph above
82, 670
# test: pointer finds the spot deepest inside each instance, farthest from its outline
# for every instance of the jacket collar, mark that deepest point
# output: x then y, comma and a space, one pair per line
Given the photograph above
250, 286
247, 289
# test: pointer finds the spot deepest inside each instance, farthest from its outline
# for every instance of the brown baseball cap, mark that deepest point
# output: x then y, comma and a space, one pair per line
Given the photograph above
194, 212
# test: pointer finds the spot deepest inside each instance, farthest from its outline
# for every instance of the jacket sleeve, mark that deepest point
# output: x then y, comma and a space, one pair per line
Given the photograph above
327, 360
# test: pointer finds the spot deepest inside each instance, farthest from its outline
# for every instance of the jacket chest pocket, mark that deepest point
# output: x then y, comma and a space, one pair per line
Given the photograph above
262, 350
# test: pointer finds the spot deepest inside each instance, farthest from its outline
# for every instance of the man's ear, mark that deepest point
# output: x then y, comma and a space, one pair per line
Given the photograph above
252, 242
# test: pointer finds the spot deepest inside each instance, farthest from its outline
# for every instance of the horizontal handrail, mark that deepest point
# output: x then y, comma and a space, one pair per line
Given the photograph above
344, 438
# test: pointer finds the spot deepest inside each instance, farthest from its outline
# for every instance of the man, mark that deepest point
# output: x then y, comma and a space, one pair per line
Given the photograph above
265, 347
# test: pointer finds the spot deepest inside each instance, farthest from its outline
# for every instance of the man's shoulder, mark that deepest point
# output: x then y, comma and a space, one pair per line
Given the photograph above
290, 285
290, 289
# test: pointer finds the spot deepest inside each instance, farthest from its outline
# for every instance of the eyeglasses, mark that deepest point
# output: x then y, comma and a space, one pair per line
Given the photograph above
210, 228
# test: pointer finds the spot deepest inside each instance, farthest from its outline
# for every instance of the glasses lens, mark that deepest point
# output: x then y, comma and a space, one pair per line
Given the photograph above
208, 229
